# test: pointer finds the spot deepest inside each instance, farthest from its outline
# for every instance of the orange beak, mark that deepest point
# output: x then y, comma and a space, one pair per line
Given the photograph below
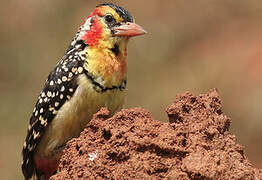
129, 30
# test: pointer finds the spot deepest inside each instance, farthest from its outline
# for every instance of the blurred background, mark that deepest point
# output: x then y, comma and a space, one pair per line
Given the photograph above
191, 46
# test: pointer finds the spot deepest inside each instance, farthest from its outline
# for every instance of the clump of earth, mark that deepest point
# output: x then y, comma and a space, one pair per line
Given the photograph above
194, 144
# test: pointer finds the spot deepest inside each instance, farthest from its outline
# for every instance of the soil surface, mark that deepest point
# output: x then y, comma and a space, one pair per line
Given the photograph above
195, 144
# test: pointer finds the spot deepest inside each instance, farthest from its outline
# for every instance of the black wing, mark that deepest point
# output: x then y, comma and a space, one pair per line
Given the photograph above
59, 88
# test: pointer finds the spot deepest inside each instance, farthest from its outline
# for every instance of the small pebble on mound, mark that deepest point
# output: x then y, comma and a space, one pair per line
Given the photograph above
195, 144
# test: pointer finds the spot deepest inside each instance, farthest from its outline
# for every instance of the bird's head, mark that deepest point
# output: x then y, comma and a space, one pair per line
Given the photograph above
108, 26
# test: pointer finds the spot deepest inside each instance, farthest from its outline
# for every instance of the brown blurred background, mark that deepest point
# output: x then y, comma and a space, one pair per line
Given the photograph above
191, 46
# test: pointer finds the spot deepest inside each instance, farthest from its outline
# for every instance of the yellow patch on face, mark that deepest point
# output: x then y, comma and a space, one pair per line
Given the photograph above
107, 40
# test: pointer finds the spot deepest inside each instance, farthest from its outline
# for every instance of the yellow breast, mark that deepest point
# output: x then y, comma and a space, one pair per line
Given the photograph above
76, 113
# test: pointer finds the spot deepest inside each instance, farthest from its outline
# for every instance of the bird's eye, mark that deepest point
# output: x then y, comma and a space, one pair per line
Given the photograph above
109, 18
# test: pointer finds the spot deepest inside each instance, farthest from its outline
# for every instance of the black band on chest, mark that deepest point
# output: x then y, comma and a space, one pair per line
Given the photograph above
100, 88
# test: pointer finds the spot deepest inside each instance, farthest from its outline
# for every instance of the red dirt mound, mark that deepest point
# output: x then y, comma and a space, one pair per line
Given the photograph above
195, 144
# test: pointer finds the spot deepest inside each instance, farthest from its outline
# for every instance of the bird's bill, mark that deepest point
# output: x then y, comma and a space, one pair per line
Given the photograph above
129, 29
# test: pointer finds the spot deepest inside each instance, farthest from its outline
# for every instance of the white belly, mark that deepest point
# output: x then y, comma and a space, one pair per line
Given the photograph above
73, 116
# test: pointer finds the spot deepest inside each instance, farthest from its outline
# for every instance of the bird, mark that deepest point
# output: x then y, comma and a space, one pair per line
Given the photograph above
92, 74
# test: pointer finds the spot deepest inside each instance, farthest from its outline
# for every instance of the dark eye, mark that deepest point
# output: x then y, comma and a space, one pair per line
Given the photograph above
109, 18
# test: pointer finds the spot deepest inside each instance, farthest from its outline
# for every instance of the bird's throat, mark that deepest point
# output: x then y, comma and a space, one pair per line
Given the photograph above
109, 65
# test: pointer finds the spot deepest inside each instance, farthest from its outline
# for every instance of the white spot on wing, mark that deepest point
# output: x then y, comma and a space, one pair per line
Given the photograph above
49, 94
80, 70
74, 69
51, 83
56, 104
36, 113
36, 134
43, 121
59, 81
70, 75
54, 112
64, 78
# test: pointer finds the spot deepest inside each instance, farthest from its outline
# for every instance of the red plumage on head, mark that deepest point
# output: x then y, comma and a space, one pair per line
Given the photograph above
95, 33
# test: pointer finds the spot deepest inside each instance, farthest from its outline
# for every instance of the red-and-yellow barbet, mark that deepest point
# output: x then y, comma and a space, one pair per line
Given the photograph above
92, 74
